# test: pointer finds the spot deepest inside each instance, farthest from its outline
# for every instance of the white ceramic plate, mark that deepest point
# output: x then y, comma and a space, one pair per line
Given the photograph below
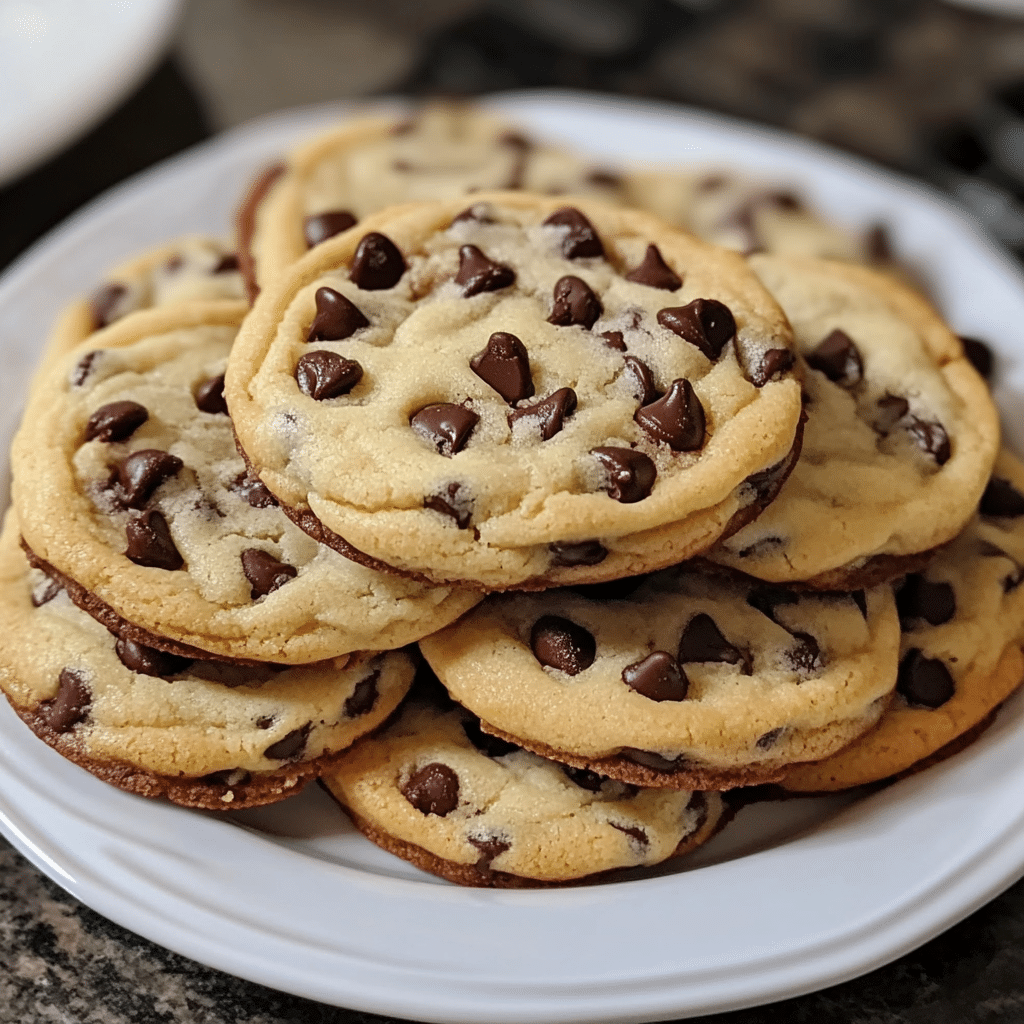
790, 898
64, 63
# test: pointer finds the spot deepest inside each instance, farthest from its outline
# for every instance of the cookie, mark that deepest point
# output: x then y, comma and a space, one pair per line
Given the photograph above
679, 679
131, 493
433, 789
202, 734
963, 620
517, 393
443, 151
900, 438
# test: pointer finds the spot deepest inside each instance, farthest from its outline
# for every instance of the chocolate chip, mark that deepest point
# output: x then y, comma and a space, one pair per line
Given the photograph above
505, 365
919, 598
584, 778
227, 264
580, 240
706, 323
150, 543
265, 722
447, 427
878, 244
142, 472
657, 677
478, 274
104, 304
1001, 500
766, 482
891, 409
980, 356
602, 177
229, 777
610, 590
209, 396
450, 503
562, 644
767, 599
839, 359
71, 704
264, 572
587, 552
432, 789
677, 419
702, 640
931, 437
772, 362
492, 746
253, 490
149, 661
550, 412
45, 591
479, 213
321, 226
377, 264
768, 740
640, 378
574, 303
630, 474
490, 847
82, 369
924, 681
336, 317
323, 375
805, 654
655, 272
613, 339
634, 832
115, 421
363, 697
291, 746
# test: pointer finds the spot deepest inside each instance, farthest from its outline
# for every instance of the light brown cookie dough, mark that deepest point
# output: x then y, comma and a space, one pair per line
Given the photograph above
129, 486
682, 680
960, 657
900, 438
528, 394
202, 734
435, 790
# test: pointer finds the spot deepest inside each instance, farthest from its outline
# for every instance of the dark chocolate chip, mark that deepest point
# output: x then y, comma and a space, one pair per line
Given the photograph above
432, 789
253, 490
584, 778
613, 339
71, 704
980, 356
265, 722
580, 241
363, 697
291, 746
492, 746
505, 365
264, 572
227, 264
839, 359
891, 409
767, 599
919, 598
229, 777
677, 419
772, 362
574, 303
45, 591
149, 661
478, 274
805, 654
562, 644
768, 740
587, 552
702, 640
115, 421
209, 396
336, 317
924, 681
550, 412
445, 426
655, 272
630, 474
450, 503
83, 368
321, 226
931, 437
610, 590
142, 472
323, 375
377, 264
104, 302
641, 380
706, 323
766, 482
490, 847
1001, 500
479, 213
150, 543
657, 677
634, 832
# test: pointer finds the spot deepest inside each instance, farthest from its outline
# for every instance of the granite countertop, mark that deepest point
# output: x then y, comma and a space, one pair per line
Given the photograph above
916, 84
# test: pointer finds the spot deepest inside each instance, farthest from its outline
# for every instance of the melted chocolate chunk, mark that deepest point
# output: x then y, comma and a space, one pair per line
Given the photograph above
839, 359
363, 697
104, 302
562, 644
768, 740
321, 226
1001, 500
702, 640
82, 369
584, 778
891, 409
432, 789
209, 396
919, 598
451, 504
323, 375
657, 677
587, 552
142, 472
580, 241
115, 421
677, 419
45, 591
150, 543
634, 832
71, 704
148, 661
227, 264
290, 747
336, 317
550, 412
505, 365
931, 437
377, 264
253, 490
630, 474
445, 426
805, 654
574, 303
706, 323
264, 572
924, 681
774, 361
641, 379
613, 339
655, 272
492, 746
980, 356
478, 274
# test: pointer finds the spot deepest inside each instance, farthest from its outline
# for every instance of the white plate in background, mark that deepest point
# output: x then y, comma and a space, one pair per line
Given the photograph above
789, 898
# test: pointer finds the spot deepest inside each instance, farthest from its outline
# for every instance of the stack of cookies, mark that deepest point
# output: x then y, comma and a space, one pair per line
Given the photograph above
665, 518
